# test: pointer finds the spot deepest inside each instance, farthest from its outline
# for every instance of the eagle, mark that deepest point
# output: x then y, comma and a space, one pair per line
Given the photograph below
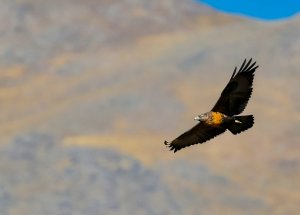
223, 115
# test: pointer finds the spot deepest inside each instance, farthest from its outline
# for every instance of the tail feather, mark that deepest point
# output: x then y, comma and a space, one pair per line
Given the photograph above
241, 123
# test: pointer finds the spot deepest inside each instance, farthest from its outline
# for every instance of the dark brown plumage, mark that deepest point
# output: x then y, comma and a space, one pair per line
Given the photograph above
232, 101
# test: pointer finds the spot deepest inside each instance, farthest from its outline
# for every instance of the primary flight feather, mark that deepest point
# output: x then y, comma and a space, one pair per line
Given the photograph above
232, 102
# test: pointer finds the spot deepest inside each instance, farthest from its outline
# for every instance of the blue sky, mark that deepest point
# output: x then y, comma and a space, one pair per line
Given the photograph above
260, 9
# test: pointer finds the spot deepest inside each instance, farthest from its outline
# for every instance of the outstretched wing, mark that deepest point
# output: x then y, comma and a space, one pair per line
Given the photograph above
200, 133
237, 92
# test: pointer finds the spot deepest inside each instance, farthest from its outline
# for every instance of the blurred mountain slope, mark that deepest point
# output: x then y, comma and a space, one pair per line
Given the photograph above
45, 177
128, 75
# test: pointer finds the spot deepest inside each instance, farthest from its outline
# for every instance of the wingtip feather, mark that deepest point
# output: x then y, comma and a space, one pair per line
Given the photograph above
171, 147
248, 67
242, 67
233, 74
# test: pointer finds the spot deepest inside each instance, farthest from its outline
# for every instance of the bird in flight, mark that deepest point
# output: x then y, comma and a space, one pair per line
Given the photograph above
223, 115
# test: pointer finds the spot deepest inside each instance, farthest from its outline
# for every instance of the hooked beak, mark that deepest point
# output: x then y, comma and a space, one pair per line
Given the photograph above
197, 118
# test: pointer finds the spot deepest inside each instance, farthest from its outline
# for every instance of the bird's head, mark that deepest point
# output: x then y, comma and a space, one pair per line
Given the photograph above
201, 117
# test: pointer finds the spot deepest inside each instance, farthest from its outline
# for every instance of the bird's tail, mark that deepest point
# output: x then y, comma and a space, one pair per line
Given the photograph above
241, 123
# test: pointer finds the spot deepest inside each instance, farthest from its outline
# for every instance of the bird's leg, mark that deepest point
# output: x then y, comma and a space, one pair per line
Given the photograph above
237, 121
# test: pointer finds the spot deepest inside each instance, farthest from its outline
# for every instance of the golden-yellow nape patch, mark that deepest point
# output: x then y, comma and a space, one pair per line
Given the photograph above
217, 118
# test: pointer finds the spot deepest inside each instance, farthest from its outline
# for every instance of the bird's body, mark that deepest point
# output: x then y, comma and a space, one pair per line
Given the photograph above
223, 115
